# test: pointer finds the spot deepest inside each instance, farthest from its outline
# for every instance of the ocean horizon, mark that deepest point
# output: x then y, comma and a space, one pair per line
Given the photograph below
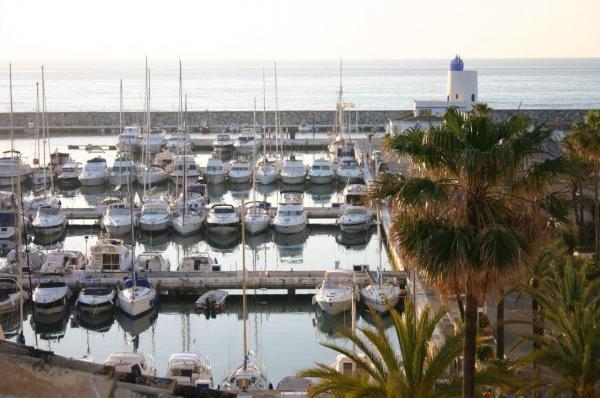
527, 83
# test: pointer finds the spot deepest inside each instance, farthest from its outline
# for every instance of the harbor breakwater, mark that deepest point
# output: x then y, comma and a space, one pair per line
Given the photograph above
108, 122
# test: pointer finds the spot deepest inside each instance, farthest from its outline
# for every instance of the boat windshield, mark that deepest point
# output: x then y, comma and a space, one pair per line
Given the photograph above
335, 283
154, 210
290, 212
223, 210
321, 167
49, 211
214, 168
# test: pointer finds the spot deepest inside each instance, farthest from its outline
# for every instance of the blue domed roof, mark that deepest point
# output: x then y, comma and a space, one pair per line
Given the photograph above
457, 64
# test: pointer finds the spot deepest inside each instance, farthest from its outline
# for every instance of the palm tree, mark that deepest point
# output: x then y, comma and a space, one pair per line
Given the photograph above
570, 346
479, 208
481, 109
585, 139
412, 366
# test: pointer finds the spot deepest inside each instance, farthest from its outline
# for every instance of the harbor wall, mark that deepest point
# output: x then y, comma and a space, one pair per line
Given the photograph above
109, 121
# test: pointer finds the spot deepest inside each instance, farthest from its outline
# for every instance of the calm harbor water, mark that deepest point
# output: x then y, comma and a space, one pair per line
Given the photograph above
381, 84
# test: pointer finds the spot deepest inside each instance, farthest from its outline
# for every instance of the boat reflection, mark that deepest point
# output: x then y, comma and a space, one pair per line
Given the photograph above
137, 326
331, 326
100, 322
223, 241
50, 327
216, 192
9, 320
357, 241
240, 191
291, 245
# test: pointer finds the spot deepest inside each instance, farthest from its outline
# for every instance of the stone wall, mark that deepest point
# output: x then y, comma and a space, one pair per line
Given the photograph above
557, 118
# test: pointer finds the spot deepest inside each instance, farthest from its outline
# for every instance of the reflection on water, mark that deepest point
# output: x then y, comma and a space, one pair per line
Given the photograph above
284, 331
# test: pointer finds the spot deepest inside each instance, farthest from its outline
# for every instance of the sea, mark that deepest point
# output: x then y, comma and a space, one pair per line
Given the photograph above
302, 85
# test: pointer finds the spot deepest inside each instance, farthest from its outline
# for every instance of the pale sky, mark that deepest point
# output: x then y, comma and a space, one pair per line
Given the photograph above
126, 30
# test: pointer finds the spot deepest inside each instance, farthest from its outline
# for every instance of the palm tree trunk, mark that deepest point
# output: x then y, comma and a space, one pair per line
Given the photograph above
469, 349
461, 307
500, 323
597, 209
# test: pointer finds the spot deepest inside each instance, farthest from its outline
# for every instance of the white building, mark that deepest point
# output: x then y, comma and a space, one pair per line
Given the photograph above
461, 93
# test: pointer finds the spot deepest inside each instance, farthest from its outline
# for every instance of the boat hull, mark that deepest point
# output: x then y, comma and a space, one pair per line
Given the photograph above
223, 228
321, 179
293, 180
187, 229
255, 226
354, 227
241, 179
266, 179
154, 227
334, 307
95, 307
8, 181
214, 178
92, 181
138, 307
120, 179
117, 230
289, 228
50, 231
54, 307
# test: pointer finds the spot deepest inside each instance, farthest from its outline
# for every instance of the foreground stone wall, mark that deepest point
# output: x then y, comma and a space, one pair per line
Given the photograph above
556, 118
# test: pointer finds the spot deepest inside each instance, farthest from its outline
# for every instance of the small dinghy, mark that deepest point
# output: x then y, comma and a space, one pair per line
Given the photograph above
212, 300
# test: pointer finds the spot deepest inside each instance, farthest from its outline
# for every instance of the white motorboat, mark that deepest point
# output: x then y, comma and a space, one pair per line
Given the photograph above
31, 260
321, 172
195, 197
63, 261
190, 369
356, 191
116, 219
223, 219
199, 262
293, 171
42, 176
10, 294
354, 219
380, 296
154, 140
51, 297
130, 139
347, 169
94, 172
335, 294
341, 148
8, 211
178, 142
222, 143
215, 173
49, 220
123, 171
256, 217
152, 261
109, 255
212, 300
184, 166
69, 174
155, 215
153, 175
266, 173
125, 361
138, 297
13, 169
58, 160
187, 221
247, 141
240, 172
96, 299
290, 217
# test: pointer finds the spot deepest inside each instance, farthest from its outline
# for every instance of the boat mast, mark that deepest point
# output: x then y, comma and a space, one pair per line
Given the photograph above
45, 120
17, 208
148, 125
378, 210
244, 301
264, 123
120, 106
184, 160
41, 153
132, 234
277, 124
254, 157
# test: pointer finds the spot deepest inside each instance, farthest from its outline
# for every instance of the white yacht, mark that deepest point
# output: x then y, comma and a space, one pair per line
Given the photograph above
195, 197
188, 220
123, 170
256, 218
249, 376
321, 172
49, 220
152, 261
69, 174
58, 160
63, 261
190, 369
293, 171
42, 176
336, 292
8, 210
354, 219
215, 173
10, 294
347, 169
247, 141
31, 261
12, 168
223, 219
222, 143
153, 175
109, 255
178, 142
199, 262
290, 217
94, 172
184, 166
155, 215
116, 219
124, 361
138, 297
266, 172
154, 140
356, 191
96, 299
130, 139
51, 297
240, 172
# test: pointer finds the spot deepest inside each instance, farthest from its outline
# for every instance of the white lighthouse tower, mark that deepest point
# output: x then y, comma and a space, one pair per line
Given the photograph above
462, 84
